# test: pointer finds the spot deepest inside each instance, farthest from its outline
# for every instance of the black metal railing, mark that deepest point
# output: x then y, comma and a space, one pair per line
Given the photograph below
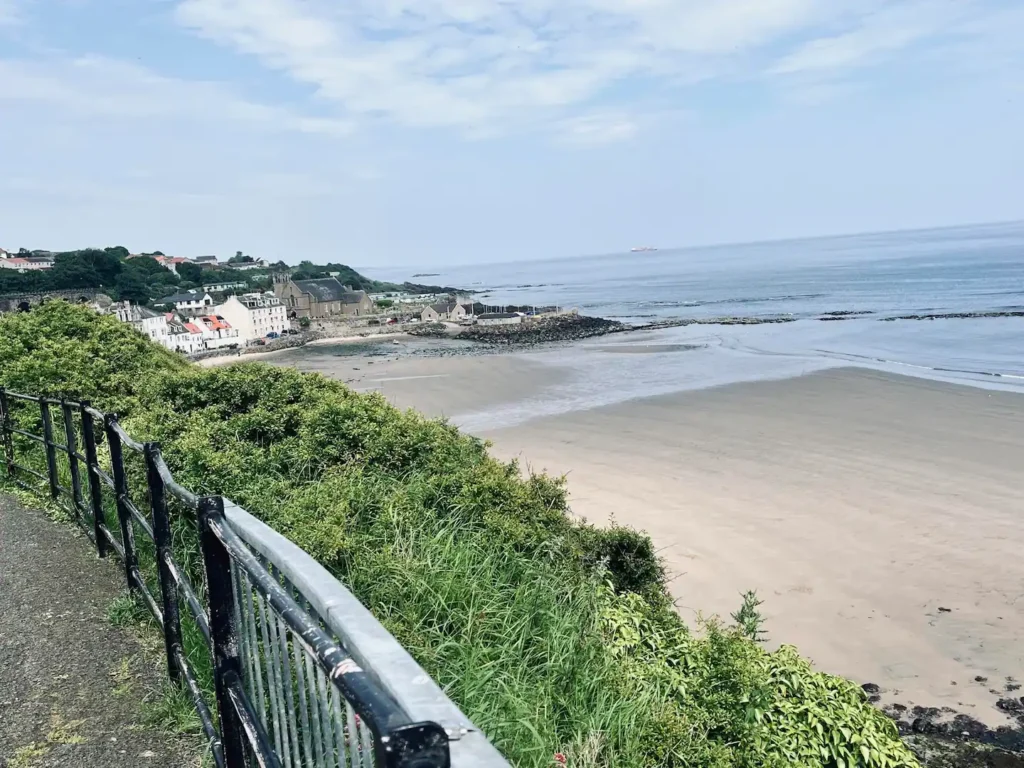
271, 685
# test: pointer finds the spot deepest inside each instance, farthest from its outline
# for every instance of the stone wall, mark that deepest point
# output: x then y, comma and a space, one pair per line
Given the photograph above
9, 302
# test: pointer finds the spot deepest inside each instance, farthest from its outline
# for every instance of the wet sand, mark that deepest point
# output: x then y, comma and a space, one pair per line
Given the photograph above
880, 517
436, 386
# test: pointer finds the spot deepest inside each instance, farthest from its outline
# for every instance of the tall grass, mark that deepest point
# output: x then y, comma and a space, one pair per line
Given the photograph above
553, 636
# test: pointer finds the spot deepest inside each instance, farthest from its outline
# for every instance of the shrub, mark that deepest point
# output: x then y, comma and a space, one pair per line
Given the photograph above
554, 636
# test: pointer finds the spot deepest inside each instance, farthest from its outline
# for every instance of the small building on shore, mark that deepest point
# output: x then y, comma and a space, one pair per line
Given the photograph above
446, 310
499, 318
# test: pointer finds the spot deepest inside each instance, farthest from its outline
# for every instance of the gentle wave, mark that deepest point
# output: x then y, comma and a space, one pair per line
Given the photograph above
937, 369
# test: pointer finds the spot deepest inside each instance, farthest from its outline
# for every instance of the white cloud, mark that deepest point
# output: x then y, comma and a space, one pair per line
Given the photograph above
879, 34
484, 65
94, 86
487, 66
595, 129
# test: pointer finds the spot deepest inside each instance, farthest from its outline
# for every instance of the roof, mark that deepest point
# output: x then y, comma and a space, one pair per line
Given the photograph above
144, 313
216, 322
181, 298
325, 289
444, 307
353, 297
497, 315
254, 302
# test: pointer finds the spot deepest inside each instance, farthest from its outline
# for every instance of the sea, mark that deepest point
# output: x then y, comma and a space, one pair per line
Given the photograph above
966, 269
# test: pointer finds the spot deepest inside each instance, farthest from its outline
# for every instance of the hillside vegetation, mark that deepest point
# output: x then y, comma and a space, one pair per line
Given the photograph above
553, 636
142, 279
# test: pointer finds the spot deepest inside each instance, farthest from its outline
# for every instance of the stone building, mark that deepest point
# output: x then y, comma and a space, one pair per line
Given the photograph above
322, 298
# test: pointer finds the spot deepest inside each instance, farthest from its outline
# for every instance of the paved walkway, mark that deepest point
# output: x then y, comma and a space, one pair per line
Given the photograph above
71, 684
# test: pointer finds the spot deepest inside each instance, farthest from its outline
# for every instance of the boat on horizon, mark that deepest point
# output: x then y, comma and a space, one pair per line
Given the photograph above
642, 249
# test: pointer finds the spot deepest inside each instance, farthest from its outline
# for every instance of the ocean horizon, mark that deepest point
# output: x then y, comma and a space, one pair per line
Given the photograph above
964, 269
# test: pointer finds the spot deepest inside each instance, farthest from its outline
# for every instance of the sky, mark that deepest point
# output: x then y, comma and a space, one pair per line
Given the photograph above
437, 132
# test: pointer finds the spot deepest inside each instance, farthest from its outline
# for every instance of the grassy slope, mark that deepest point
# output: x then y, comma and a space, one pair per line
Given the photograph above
553, 636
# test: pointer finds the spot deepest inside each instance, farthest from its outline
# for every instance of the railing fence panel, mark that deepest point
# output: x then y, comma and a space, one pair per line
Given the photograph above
239, 629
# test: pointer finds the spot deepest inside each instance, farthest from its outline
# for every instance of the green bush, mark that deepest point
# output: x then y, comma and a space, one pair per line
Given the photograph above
553, 636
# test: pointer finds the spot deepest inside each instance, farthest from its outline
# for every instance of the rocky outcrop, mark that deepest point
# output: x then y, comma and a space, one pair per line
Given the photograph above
843, 314
955, 316
430, 331
543, 330
573, 327
679, 323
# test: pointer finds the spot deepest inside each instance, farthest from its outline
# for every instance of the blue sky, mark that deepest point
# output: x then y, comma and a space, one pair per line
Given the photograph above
424, 132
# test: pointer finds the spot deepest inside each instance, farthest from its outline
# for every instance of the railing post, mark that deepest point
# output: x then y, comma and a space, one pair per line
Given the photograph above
164, 551
71, 443
5, 426
227, 664
51, 452
131, 562
92, 466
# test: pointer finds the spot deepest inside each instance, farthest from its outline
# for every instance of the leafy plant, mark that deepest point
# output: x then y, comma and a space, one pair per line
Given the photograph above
749, 619
556, 637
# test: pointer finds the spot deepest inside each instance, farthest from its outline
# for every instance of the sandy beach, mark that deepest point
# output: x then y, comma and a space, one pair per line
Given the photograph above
877, 516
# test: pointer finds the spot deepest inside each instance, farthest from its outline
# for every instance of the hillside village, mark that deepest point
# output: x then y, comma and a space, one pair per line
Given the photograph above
202, 305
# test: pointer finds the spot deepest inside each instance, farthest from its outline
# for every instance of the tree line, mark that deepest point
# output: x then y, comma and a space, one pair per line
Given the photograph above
140, 280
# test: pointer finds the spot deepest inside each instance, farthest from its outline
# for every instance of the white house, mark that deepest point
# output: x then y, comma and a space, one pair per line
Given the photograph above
499, 318
26, 264
245, 266
189, 302
217, 332
448, 310
146, 321
254, 315
176, 333
184, 336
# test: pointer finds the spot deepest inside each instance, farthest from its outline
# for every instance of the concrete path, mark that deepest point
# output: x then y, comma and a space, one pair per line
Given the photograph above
71, 684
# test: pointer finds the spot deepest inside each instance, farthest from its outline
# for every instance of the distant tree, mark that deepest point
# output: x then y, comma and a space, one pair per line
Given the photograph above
106, 263
28, 282
385, 303
193, 273
279, 266
119, 251
150, 267
240, 258
70, 273
131, 286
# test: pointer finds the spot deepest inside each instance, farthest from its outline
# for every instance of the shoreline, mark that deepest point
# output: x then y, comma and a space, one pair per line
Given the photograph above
212, 362
858, 502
